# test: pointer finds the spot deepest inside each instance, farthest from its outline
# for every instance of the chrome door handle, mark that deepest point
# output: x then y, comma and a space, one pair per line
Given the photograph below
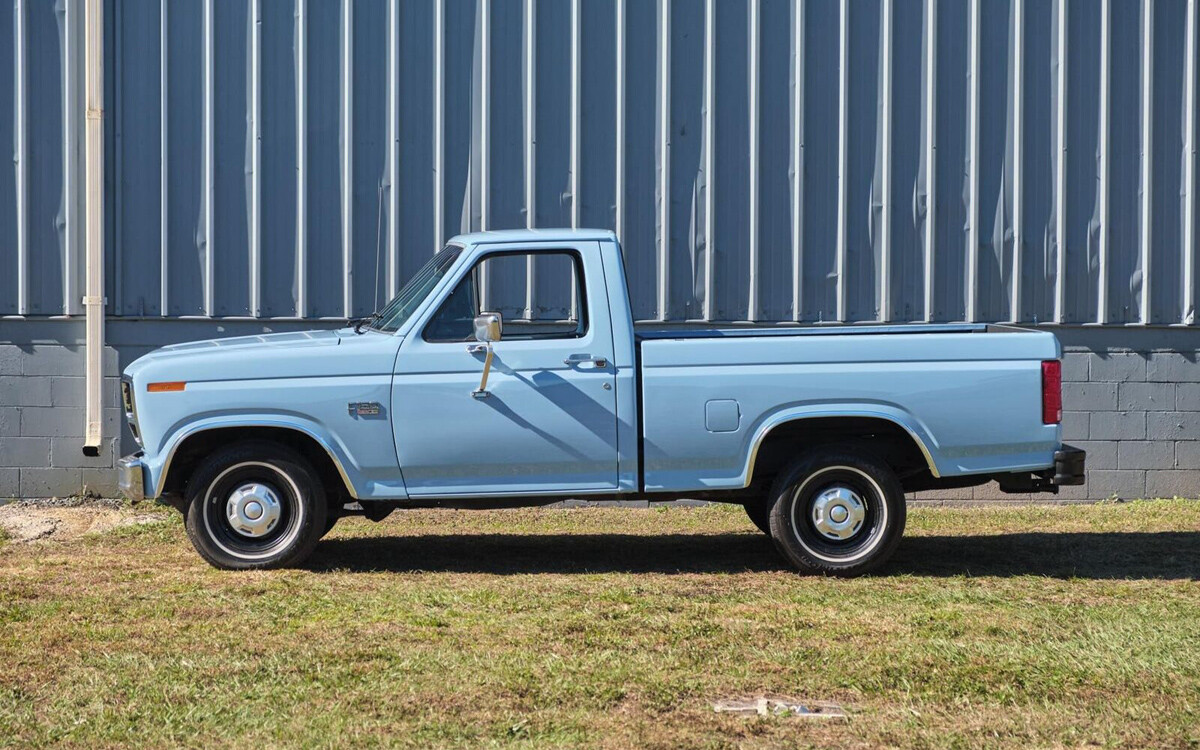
476, 348
598, 363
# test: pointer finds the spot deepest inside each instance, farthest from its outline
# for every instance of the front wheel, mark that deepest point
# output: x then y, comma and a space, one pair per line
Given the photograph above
255, 505
837, 512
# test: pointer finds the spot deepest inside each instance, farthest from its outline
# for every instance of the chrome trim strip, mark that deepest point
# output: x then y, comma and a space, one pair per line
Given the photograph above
195, 430
766, 428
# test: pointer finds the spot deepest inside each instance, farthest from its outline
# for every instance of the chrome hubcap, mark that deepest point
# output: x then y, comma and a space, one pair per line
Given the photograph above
838, 513
253, 509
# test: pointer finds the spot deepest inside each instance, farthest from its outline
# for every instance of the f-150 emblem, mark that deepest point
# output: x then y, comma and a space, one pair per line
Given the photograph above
365, 408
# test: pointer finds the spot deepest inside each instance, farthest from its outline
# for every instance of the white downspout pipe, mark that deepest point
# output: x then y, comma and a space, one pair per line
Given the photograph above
93, 300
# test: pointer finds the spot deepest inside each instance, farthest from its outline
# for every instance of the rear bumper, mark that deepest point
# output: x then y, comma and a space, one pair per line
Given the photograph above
1069, 466
131, 478
1069, 469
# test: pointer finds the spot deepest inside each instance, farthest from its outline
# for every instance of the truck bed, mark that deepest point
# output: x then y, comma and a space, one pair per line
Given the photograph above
969, 394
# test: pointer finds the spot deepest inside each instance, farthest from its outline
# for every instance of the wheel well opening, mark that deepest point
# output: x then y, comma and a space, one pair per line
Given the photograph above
195, 448
886, 439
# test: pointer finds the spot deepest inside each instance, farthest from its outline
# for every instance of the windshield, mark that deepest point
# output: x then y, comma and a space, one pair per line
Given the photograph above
414, 292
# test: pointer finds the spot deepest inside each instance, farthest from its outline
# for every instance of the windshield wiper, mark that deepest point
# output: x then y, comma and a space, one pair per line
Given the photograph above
359, 323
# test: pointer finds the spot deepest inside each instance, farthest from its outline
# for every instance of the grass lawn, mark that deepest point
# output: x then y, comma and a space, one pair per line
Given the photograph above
1005, 627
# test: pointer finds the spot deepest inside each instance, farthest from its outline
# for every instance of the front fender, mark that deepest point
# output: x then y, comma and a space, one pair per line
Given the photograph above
156, 468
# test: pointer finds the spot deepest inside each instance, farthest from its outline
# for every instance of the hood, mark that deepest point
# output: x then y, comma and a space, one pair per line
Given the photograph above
273, 355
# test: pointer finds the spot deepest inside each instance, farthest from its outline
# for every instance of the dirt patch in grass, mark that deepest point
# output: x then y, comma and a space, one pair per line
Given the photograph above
32, 522
1012, 627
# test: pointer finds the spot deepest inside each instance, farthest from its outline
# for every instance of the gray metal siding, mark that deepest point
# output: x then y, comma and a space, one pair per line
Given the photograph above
772, 160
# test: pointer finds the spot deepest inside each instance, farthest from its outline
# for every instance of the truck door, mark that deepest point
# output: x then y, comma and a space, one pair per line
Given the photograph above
546, 422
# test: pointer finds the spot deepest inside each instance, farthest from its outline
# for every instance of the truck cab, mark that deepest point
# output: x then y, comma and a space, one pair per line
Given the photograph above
508, 371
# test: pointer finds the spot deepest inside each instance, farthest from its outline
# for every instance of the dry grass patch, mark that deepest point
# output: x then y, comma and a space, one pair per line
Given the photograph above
1042, 626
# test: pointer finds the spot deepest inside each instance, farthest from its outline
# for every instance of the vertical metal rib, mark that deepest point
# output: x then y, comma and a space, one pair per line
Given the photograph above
485, 91
930, 153
664, 238
575, 115
885, 243
710, 50
256, 160
973, 176
754, 120
22, 149
1147, 156
797, 163
1018, 156
209, 140
620, 124
1105, 82
1060, 207
530, 147
301, 158
1189, 224
393, 167
439, 111
347, 65
164, 130
70, 169
843, 145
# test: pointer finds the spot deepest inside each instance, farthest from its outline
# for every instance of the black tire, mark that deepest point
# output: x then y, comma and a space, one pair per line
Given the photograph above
837, 512
266, 478
330, 521
759, 512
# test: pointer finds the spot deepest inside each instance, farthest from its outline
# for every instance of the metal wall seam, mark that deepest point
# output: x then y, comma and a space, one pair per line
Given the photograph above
575, 115
1192, 71
485, 85
930, 154
347, 102
798, 162
393, 157
70, 165
1105, 82
885, 244
753, 304
301, 158
209, 142
1060, 208
1018, 156
439, 141
256, 161
22, 150
1147, 155
710, 51
843, 145
619, 208
116, 165
973, 95
164, 164
664, 236
530, 145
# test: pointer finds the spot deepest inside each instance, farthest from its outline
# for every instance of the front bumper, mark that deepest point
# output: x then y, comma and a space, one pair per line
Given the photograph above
131, 477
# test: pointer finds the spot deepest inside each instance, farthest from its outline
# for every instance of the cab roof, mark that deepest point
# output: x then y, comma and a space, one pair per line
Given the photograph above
533, 235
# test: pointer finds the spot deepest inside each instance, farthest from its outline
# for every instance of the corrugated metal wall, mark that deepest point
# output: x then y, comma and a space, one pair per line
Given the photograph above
804, 160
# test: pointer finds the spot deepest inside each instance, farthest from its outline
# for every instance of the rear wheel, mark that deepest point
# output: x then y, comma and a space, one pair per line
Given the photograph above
837, 512
255, 505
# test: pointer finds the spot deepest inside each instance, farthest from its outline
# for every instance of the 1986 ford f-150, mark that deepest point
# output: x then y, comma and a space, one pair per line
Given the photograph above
508, 372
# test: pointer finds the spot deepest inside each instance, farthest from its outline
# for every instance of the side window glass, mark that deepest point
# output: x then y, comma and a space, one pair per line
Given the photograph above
540, 295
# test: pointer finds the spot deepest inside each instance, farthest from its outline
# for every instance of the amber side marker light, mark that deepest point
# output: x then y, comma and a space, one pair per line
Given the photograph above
177, 385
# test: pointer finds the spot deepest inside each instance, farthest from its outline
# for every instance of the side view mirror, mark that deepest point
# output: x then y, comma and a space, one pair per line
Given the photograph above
489, 326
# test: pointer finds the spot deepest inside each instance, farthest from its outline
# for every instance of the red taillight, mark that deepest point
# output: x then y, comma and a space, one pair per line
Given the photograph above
1051, 391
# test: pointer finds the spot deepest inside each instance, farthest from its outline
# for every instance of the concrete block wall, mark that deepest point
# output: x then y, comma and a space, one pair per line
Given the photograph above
1131, 398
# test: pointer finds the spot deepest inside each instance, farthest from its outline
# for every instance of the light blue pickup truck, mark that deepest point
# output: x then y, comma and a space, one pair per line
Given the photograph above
508, 372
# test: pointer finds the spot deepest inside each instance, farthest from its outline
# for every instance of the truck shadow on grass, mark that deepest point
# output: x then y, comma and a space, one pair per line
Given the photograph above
1166, 555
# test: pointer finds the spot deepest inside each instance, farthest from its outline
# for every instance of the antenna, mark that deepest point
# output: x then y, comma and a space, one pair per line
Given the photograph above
378, 243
